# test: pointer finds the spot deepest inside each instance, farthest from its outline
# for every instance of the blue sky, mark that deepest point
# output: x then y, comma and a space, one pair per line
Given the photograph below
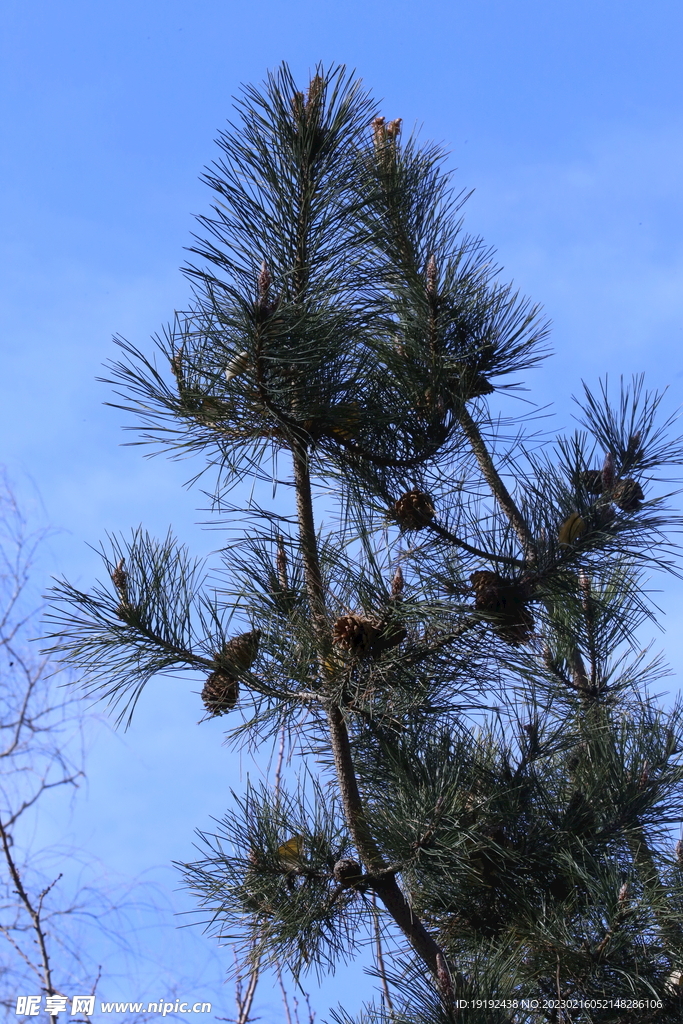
564, 116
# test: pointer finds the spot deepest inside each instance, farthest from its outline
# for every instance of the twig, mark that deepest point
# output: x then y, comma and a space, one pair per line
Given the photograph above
33, 913
380, 958
280, 759
285, 1000
245, 1004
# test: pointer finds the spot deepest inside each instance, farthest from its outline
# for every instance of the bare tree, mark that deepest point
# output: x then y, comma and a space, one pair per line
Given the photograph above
46, 920
39, 752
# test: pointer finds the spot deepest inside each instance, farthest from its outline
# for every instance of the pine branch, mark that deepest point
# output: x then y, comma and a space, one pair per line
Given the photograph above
498, 488
489, 556
308, 542
386, 887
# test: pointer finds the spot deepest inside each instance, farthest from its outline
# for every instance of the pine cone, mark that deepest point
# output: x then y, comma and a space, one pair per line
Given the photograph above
220, 693
608, 472
432, 275
394, 128
316, 88
591, 479
285, 598
368, 637
413, 510
504, 599
495, 592
239, 654
634, 452
281, 564
264, 280
356, 633
120, 578
434, 404
519, 627
177, 367
397, 584
628, 495
347, 872
443, 976
644, 776
128, 613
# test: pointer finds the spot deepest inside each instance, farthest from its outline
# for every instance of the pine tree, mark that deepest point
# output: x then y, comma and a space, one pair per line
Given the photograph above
443, 612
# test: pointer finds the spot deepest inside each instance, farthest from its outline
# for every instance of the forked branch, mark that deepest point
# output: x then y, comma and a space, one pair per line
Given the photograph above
33, 912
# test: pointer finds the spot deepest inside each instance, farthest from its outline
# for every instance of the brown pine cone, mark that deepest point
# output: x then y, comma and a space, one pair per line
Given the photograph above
368, 637
356, 633
432, 275
239, 654
220, 693
487, 587
347, 872
517, 627
120, 577
506, 601
413, 510
628, 495
591, 479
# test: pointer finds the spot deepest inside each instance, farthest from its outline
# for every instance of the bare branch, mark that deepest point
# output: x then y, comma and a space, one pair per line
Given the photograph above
34, 912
